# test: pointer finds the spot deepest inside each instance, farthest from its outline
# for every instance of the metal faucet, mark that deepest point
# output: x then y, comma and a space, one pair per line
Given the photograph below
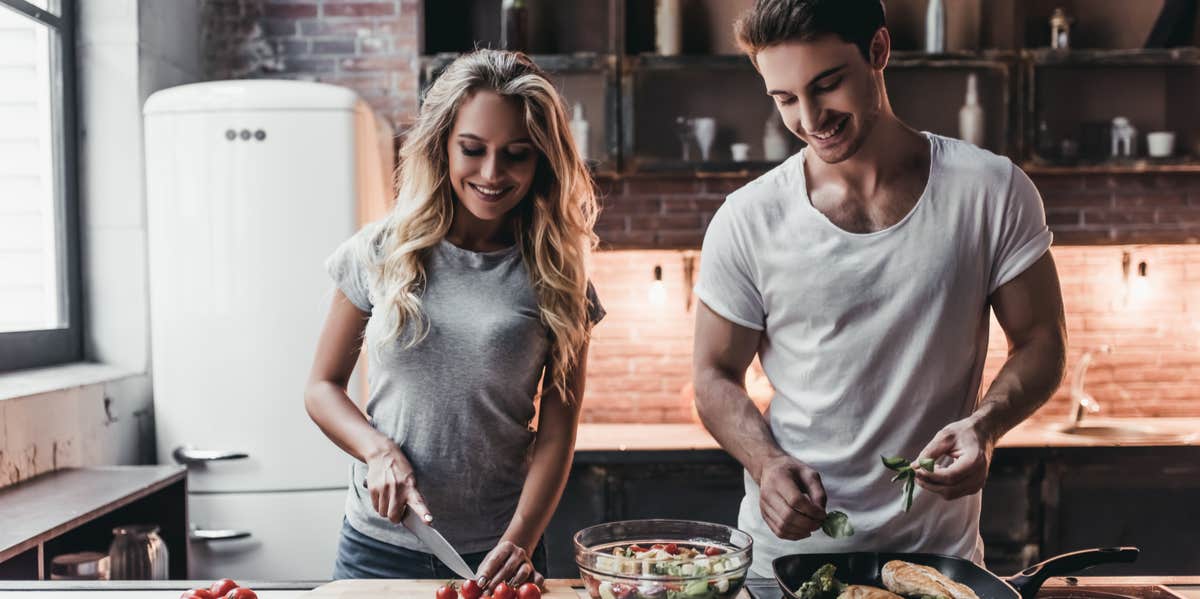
1082, 402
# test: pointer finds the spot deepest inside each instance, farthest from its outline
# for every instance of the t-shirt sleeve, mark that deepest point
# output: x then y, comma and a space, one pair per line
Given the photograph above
1019, 236
595, 310
348, 268
728, 279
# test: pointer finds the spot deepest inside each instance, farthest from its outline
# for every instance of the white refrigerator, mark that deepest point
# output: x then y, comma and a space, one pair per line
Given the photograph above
250, 186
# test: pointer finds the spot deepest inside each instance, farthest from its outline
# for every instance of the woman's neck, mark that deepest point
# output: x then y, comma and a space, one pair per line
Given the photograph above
477, 235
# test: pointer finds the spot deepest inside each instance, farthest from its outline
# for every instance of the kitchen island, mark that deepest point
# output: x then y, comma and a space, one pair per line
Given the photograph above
1183, 586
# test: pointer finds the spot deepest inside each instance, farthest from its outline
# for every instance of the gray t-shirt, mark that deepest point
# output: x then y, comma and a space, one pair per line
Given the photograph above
460, 402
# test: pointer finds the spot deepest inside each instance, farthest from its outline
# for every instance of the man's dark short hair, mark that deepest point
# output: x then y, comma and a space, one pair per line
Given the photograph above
773, 22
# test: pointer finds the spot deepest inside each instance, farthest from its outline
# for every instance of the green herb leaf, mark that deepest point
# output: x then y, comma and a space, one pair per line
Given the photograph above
894, 463
837, 525
909, 483
927, 464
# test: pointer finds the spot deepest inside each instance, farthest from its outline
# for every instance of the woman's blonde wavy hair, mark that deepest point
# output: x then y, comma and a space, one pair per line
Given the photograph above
553, 223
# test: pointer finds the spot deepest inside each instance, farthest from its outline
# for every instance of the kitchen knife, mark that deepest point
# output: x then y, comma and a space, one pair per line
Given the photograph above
437, 544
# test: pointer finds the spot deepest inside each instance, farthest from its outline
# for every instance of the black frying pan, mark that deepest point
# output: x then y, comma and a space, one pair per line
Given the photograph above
863, 568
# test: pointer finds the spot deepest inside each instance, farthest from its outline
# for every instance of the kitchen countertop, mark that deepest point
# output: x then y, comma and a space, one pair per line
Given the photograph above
1028, 435
1187, 586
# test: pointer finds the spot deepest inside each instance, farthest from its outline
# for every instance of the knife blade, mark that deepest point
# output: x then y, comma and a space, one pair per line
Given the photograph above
437, 544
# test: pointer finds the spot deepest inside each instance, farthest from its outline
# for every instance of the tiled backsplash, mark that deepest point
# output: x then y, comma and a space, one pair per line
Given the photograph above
640, 359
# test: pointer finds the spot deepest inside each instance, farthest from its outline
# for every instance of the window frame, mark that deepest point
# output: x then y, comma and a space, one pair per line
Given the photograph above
32, 349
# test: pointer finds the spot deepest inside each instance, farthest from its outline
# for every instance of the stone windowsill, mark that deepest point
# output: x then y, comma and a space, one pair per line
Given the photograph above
26, 383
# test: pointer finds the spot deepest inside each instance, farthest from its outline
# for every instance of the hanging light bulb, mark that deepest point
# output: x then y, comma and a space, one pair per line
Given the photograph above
658, 291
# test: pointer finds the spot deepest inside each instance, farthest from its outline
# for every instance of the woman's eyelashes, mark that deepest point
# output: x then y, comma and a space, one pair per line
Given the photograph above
510, 155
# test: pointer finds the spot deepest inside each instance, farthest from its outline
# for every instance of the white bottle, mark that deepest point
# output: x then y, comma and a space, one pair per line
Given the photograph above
970, 116
668, 28
775, 143
579, 131
935, 27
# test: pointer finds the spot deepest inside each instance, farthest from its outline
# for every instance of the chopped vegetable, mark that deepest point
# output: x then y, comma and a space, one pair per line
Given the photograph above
822, 585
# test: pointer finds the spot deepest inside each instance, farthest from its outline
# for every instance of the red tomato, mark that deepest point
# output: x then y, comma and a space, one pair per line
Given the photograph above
241, 593
503, 591
529, 591
197, 594
658, 546
447, 591
671, 548
713, 550
638, 549
471, 590
222, 587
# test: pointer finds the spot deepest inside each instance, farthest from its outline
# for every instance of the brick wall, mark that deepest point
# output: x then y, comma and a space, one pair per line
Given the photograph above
366, 45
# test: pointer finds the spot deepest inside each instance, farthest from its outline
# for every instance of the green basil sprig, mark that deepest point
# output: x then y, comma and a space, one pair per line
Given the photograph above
837, 525
904, 472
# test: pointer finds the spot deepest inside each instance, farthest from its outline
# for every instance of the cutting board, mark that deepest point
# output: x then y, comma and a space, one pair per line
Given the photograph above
417, 589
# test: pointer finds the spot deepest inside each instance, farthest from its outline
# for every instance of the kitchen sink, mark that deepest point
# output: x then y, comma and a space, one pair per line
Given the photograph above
1127, 432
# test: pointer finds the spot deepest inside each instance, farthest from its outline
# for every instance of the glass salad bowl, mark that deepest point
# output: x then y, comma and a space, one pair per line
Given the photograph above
662, 559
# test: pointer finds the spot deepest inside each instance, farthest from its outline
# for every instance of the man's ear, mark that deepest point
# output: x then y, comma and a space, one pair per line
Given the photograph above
881, 48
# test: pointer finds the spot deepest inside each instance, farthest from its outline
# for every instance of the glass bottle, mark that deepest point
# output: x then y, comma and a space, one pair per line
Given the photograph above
514, 32
137, 553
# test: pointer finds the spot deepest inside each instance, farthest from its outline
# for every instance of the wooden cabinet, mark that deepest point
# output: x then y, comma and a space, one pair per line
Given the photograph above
75, 509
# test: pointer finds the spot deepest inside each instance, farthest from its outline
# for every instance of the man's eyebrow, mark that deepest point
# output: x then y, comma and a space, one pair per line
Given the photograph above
820, 76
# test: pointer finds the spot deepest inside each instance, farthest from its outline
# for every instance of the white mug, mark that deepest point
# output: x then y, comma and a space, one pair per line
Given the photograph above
740, 152
1160, 144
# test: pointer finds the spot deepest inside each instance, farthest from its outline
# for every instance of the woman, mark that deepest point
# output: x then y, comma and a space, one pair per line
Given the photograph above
470, 294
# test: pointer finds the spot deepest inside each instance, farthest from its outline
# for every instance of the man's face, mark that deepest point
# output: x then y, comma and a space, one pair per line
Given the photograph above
827, 94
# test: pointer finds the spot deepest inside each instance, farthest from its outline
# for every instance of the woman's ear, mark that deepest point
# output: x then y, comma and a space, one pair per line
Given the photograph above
881, 48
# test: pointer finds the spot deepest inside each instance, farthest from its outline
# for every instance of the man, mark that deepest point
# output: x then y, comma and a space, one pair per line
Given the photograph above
862, 271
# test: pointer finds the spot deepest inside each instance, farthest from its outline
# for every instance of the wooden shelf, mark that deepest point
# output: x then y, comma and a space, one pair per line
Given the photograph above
581, 62
1111, 168
997, 59
1042, 57
696, 168
657, 62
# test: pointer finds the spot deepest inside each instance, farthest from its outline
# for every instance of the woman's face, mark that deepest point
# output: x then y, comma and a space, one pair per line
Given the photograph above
492, 158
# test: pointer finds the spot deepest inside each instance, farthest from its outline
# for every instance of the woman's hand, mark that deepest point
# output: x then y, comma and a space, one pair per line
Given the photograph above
393, 486
510, 563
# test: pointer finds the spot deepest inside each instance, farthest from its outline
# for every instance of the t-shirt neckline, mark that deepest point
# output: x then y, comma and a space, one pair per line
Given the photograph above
921, 200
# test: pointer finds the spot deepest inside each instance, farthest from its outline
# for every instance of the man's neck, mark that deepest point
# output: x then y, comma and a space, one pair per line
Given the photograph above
887, 154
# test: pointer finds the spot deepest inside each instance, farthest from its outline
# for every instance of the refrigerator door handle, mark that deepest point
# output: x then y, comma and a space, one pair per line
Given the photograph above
202, 534
190, 455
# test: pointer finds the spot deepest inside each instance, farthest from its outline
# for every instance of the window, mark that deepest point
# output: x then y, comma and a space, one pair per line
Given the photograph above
40, 308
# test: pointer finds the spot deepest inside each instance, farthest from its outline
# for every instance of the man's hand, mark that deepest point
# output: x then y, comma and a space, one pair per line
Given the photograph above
970, 447
791, 497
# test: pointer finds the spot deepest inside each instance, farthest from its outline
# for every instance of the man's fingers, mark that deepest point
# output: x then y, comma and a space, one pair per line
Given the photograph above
953, 491
940, 445
786, 523
790, 495
960, 470
797, 509
815, 490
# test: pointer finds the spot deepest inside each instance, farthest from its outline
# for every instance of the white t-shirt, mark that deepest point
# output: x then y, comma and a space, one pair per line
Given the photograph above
873, 342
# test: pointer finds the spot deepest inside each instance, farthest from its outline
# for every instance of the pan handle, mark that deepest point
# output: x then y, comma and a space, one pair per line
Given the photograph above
1028, 581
